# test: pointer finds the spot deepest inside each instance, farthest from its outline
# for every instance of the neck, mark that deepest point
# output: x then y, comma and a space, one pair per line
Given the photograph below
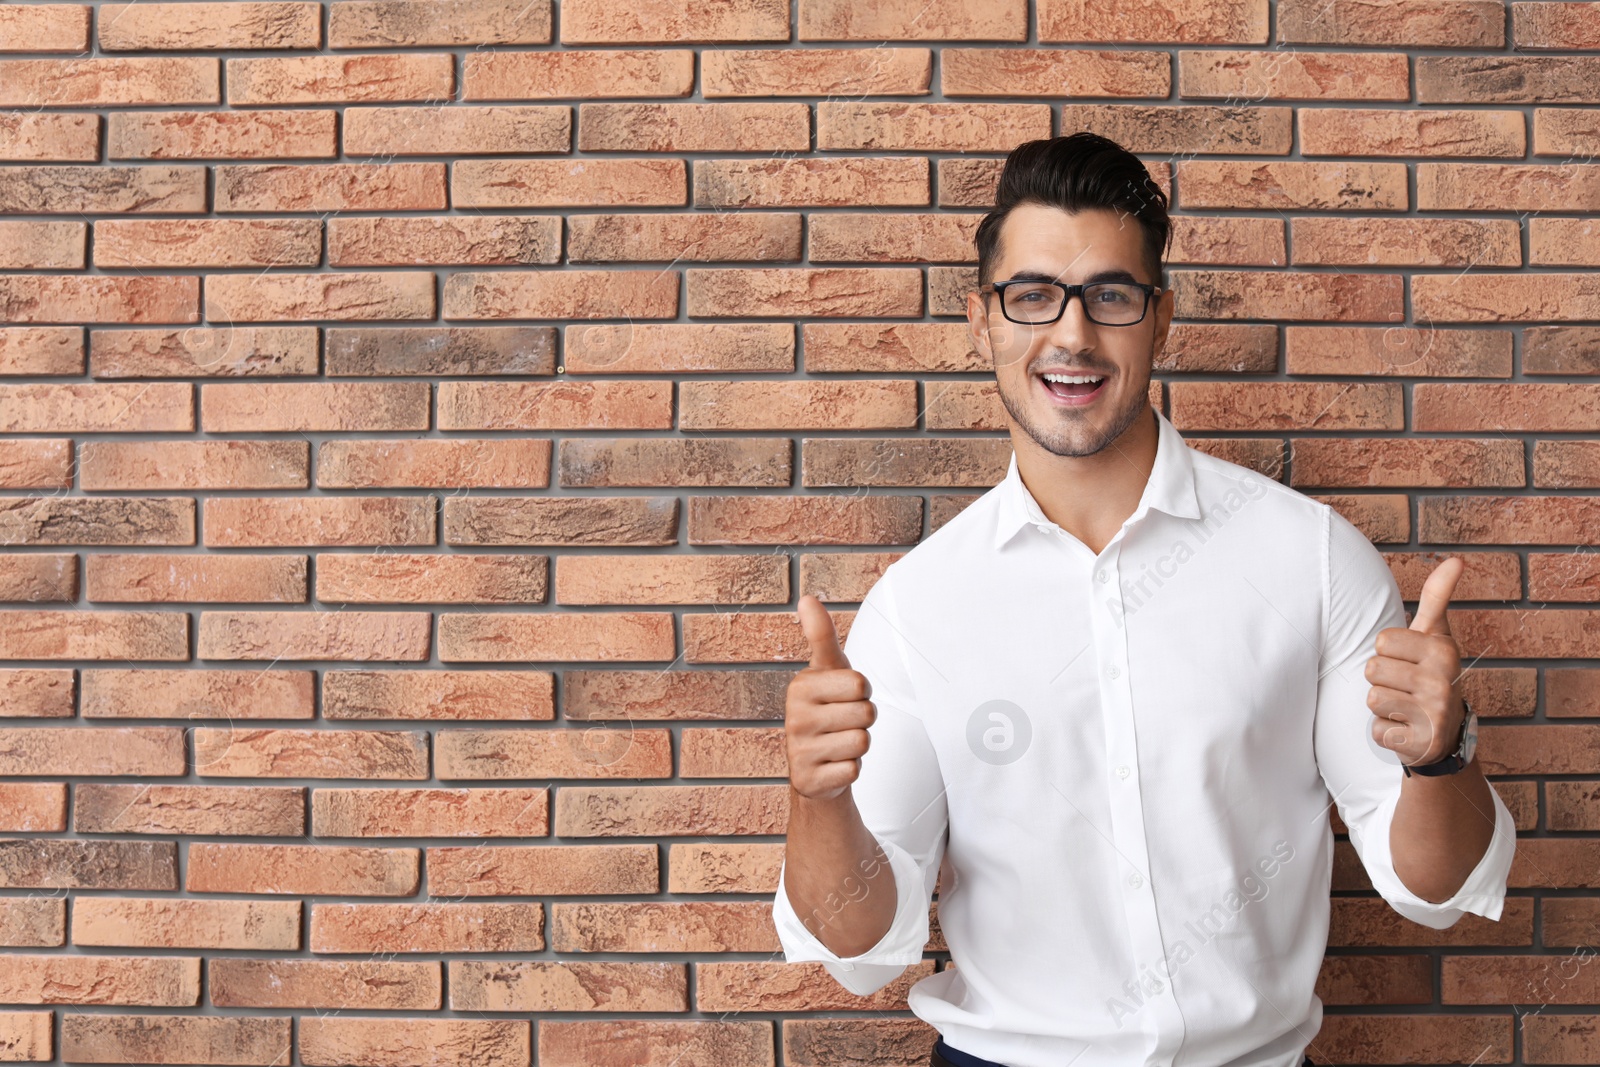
1090, 497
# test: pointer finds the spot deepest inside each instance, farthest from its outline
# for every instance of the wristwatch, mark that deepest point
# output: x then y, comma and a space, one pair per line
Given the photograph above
1466, 744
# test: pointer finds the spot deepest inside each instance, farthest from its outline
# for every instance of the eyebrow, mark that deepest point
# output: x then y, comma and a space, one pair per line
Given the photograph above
1115, 274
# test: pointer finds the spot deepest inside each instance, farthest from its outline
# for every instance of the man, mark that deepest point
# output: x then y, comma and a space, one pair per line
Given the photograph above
1116, 698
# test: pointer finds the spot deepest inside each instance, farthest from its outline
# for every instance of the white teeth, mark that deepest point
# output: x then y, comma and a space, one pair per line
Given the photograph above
1075, 379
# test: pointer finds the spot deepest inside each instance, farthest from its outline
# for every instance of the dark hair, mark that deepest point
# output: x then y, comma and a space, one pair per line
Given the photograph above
1076, 172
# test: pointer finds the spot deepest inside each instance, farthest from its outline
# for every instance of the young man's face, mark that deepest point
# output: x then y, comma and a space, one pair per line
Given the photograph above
1049, 243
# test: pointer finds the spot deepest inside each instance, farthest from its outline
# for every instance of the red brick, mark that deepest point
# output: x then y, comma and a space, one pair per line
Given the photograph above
665, 580
432, 464
313, 406
549, 985
598, 462
221, 134
110, 82
818, 71
94, 298
36, 464
558, 405
415, 578
44, 246
361, 985
649, 926
226, 351
34, 693
39, 578
673, 21
189, 809
651, 694
48, 137
813, 182
335, 79
685, 347
276, 521
736, 292
198, 694
541, 870
574, 294
328, 1039
798, 405
1292, 75
478, 240
113, 577
452, 23
154, 27
913, 20
142, 465
330, 187
94, 635
151, 981
693, 127
622, 520
451, 927
577, 73
833, 519
227, 752
1453, 24
620, 238
349, 296
208, 350
1422, 351
42, 863
76, 520
28, 807
394, 812
407, 350
438, 694
503, 183
44, 28
103, 1038
140, 751
566, 635
937, 127
41, 350
628, 811
342, 870
302, 635
568, 1044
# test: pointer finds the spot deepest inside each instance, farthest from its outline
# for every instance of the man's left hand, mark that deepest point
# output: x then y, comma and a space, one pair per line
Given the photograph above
1415, 697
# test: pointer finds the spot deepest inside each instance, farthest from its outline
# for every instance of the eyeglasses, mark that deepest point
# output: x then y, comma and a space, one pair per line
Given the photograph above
1032, 303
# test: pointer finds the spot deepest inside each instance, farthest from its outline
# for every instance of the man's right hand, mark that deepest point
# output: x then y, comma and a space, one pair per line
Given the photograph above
826, 713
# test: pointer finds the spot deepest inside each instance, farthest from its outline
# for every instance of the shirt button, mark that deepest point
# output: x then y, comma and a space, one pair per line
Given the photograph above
1113, 672
1135, 881
847, 966
1122, 772
1103, 576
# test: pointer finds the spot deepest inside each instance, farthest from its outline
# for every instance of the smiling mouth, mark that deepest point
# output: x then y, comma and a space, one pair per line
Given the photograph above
1072, 388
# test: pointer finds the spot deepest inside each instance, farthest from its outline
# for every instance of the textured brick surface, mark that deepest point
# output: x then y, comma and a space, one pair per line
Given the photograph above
419, 417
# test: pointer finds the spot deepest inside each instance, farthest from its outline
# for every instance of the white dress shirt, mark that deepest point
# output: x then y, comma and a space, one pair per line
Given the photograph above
1126, 758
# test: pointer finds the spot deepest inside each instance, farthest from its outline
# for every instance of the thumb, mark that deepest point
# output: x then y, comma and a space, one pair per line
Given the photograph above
1435, 597
817, 625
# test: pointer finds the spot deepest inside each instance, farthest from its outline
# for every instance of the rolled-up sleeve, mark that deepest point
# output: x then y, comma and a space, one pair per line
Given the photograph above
900, 795
1364, 778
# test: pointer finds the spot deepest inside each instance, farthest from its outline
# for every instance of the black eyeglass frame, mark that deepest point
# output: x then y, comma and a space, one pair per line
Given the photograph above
1071, 291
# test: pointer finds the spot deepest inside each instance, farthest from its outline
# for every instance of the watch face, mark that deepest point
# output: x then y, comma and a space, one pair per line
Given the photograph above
1469, 741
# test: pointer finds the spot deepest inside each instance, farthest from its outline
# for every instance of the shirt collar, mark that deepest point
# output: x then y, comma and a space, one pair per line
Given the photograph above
1170, 487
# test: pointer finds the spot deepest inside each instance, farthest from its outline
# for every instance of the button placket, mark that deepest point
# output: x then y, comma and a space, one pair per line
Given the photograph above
1126, 805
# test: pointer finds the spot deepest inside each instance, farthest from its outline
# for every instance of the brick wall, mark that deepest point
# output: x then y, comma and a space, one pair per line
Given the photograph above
420, 418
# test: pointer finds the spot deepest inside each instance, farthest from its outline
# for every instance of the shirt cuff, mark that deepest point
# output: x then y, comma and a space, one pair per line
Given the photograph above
1484, 891
900, 946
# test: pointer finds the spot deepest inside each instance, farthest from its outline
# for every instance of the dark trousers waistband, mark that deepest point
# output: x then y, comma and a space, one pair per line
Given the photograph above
949, 1056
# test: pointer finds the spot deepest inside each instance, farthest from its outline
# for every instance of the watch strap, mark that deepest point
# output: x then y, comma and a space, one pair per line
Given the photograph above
1450, 763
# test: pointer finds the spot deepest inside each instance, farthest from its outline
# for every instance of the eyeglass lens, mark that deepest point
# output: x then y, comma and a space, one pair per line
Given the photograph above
1107, 303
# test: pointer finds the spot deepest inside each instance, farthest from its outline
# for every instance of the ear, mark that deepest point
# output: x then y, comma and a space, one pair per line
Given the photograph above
978, 324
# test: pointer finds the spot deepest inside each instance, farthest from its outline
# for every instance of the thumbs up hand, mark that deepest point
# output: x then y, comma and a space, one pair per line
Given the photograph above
1415, 696
826, 712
